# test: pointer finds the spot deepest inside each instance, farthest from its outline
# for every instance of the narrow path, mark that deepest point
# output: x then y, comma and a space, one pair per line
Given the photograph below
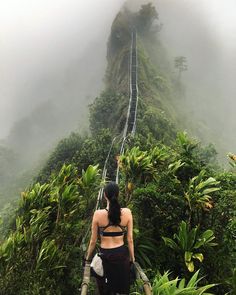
133, 86
130, 128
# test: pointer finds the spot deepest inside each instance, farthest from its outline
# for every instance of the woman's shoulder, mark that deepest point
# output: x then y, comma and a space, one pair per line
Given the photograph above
126, 211
100, 212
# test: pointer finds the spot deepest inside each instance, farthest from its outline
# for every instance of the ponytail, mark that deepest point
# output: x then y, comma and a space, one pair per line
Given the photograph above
112, 191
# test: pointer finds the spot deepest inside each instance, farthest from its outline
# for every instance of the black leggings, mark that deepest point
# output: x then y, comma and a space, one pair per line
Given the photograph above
116, 266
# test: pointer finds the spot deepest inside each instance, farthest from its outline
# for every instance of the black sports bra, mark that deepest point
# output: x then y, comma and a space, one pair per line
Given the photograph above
102, 232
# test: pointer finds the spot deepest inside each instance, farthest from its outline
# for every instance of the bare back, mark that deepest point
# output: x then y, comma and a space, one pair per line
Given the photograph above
102, 220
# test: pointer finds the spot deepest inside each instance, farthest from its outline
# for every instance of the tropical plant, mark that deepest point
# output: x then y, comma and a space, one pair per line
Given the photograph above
136, 167
188, 241
186, 144
198, 193
163, 285
143, 166
160, 155
48, 257
49, 226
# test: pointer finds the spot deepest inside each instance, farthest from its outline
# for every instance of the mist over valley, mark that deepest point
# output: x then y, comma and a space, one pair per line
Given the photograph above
54, 60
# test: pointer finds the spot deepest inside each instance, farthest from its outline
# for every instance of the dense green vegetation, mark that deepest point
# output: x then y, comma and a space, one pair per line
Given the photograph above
177, 199
183, 203
42, 254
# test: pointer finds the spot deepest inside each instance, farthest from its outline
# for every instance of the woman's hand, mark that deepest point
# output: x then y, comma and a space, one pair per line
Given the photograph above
132, 260
85, 261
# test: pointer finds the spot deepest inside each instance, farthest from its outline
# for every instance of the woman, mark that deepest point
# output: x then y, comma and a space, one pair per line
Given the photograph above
111, 224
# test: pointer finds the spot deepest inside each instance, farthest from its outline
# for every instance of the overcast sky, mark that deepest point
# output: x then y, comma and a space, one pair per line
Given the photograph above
204, 31
38, 37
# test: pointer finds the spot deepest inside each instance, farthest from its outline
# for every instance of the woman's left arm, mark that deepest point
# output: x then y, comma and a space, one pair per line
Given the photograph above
94, 235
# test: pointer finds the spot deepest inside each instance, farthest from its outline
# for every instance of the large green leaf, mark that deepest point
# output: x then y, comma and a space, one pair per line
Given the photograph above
188, 256
170, 243
198, 256
190, 266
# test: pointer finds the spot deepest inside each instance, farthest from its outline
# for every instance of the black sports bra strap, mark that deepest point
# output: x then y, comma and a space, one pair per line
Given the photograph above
103, 228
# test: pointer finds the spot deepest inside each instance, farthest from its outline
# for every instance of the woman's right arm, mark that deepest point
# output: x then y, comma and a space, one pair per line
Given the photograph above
93, 238
130, 236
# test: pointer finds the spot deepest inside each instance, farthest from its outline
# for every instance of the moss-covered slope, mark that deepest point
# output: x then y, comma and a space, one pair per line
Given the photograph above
155, 83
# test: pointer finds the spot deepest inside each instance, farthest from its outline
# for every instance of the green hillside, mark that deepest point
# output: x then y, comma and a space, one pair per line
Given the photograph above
156, 90
183, 203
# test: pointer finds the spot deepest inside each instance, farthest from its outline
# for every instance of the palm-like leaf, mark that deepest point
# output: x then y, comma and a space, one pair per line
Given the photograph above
187, 145
48, 256
199, 190
89, 176
187, 241
136, 164
162, 285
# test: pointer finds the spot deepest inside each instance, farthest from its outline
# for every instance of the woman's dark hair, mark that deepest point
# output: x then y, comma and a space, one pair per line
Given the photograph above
112, 191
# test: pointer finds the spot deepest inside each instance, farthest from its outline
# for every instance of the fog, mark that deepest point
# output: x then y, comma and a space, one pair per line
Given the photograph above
53, 59
52, 52
205, 32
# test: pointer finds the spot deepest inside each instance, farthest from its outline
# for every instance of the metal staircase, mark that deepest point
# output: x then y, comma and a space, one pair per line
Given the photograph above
129, 129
